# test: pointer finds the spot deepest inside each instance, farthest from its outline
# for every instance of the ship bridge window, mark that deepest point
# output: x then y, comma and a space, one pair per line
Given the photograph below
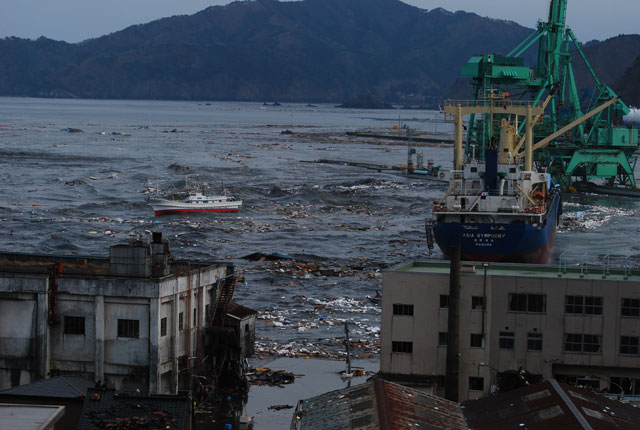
512, 170
474, 169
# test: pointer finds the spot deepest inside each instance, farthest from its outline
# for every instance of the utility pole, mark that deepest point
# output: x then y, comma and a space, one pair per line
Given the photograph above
453, 327
348, 343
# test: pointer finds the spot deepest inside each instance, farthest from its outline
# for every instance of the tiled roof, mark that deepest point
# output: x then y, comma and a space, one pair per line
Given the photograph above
106, 408
58, 386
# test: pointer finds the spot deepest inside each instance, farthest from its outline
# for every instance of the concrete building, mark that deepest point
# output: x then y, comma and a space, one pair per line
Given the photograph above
579, 326
133, 321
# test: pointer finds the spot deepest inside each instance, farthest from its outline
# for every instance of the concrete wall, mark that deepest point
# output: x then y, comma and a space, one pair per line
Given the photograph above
30, 347
423, 290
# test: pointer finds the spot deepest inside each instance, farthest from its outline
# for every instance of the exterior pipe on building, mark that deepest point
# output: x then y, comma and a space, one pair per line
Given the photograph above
453, 327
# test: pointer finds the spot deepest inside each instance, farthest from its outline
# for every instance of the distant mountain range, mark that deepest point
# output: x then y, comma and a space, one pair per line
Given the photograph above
264, 50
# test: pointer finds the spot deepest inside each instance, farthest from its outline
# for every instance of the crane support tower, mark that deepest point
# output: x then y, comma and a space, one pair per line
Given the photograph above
585, 148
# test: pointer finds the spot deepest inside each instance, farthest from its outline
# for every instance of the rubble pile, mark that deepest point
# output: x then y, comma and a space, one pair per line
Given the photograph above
266, 376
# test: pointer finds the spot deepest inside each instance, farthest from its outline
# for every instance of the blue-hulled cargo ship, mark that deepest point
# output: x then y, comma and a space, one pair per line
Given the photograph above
497, 208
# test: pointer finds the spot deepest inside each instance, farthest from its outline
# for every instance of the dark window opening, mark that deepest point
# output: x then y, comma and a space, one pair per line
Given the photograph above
163, 326
181, 321
534, 342
630, 308
629, 345
73, 325
506, 340
444, 301
584, 305
477, 303
443, 338
532, 303
399, 309
129, 328
477, 340
587, 343
476, 383
403, 347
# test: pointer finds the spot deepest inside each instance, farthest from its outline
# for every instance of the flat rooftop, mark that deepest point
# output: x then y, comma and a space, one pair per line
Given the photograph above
29, 417
82, 266
568, 269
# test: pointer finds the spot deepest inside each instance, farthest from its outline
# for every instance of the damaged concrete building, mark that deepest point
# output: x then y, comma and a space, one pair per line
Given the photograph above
134, 321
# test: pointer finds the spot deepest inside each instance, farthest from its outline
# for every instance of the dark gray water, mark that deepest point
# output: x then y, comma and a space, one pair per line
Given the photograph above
78, 193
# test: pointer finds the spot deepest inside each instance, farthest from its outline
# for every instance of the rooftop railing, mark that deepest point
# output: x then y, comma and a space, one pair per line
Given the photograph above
604, 264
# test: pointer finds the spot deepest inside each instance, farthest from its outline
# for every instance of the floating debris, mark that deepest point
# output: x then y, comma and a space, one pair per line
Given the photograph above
266, 376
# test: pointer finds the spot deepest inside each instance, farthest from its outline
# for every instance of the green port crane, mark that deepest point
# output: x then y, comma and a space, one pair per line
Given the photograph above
585, 148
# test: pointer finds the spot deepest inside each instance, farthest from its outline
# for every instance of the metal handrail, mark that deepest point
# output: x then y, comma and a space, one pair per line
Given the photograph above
608, 263
482, 102
584, 264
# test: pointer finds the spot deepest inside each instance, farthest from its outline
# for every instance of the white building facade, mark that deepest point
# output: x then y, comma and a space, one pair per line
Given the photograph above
579, 327
91, 317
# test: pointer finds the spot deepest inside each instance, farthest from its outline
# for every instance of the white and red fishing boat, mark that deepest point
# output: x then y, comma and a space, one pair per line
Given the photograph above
195, 201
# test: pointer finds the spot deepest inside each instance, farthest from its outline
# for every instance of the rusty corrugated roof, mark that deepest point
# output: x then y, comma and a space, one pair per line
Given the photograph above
378, 404
550, 405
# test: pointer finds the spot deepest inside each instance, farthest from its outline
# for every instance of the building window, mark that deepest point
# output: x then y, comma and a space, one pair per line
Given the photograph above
477, 303
506, 340
163, 326
534, 342
587, 343
476, 383
630, 307
129, 328
73, 325
533, 303
181, 321
444, 301
399, 309
195, 317
443, 338
593, 305
583, 305
573, 343
206, 311
591, 343
477, 340
573, 304
404, 347
629, 345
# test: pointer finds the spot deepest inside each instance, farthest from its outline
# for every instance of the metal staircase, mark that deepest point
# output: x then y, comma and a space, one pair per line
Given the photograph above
223, 302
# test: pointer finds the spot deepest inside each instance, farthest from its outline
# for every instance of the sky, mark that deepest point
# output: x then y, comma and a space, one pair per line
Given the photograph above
77, 20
